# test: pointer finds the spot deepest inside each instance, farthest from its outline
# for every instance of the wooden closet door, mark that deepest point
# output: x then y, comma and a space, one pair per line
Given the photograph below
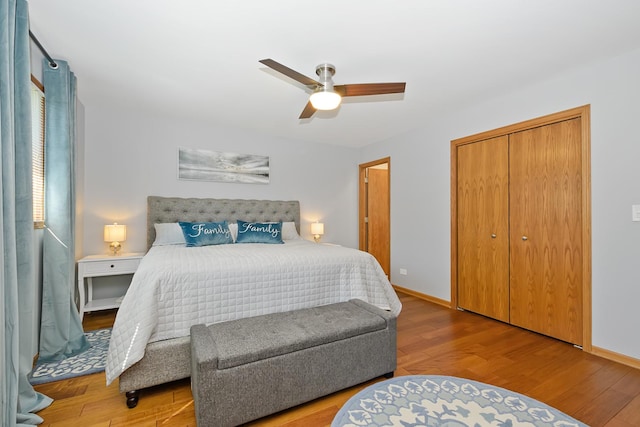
483, 227
546, 225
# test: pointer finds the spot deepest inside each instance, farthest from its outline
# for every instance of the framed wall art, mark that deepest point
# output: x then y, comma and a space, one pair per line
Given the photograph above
205, 165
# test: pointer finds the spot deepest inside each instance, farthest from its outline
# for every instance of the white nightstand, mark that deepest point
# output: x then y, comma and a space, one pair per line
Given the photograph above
99, 266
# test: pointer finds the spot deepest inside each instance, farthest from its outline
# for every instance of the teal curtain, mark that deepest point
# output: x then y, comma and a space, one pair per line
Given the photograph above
61, 333
18, 287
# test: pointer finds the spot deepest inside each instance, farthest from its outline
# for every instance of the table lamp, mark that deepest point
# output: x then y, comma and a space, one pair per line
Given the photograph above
114, 234
317, 229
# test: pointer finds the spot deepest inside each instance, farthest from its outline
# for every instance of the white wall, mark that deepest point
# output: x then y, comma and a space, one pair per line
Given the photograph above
130, 155
420, 188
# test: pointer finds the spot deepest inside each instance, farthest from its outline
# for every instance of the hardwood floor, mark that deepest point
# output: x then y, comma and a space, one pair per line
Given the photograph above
431, 340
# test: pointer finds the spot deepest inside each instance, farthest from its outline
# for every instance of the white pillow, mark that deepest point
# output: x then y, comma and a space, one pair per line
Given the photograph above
233, 227
289, 231
168, 234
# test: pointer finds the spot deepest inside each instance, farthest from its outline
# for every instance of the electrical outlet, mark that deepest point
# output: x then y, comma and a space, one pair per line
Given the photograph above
635, 213
403, 271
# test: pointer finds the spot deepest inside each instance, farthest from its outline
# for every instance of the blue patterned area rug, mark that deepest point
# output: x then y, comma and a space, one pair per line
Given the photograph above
433, 400
88, 362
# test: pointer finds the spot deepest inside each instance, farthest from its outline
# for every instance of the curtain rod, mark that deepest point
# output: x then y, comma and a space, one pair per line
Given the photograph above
52, 63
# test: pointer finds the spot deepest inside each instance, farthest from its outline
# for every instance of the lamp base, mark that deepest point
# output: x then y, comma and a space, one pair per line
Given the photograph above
316, 238
115, 248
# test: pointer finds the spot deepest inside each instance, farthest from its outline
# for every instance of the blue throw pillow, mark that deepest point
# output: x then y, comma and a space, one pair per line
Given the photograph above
206, 233
259, 232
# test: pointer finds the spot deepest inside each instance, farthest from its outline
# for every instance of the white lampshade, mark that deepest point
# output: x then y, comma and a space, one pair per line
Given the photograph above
325, 100
317, 228
115, 233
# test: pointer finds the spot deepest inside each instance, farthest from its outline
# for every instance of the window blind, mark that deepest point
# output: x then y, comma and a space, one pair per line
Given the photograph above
37, 152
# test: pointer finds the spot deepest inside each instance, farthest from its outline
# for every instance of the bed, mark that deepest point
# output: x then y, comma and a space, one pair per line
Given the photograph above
176, 286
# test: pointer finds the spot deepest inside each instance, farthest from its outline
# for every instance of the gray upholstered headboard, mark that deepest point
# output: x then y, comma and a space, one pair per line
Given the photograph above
174, 209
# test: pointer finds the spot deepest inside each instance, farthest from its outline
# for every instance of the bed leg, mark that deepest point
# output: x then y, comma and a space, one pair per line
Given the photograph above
132, 398
388, 375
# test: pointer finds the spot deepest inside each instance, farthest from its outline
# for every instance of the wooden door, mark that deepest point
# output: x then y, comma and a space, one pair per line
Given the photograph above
546, 281
483, 227
378, 235
374, 211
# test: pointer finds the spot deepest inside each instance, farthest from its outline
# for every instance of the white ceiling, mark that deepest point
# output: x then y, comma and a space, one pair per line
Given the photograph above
199, 59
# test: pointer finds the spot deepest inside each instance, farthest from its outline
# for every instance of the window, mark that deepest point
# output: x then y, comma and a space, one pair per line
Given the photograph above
37, 151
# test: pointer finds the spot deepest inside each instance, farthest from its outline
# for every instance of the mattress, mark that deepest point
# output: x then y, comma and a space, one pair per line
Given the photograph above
176, 287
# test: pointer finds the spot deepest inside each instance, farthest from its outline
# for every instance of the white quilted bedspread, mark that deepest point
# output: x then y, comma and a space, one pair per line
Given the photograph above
176, 287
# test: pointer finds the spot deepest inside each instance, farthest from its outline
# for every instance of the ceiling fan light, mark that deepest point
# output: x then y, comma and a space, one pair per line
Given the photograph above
325, 100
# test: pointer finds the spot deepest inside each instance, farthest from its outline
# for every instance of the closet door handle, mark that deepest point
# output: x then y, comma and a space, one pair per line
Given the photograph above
524, 237
493, 236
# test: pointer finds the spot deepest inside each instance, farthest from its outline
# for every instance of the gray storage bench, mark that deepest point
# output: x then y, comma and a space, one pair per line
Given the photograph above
246, 369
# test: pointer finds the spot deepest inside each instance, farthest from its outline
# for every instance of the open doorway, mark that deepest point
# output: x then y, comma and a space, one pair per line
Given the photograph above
374, 215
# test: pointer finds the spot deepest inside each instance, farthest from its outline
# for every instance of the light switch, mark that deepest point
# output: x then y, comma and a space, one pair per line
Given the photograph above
635, 213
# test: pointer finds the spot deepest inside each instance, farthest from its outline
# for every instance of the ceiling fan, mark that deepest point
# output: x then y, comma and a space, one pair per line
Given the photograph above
326, 95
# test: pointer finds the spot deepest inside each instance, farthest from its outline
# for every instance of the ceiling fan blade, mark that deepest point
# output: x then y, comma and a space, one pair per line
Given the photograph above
307, 81
362, 89
308, 111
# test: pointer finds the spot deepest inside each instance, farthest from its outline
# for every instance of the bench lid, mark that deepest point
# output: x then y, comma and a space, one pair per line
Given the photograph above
256, 338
